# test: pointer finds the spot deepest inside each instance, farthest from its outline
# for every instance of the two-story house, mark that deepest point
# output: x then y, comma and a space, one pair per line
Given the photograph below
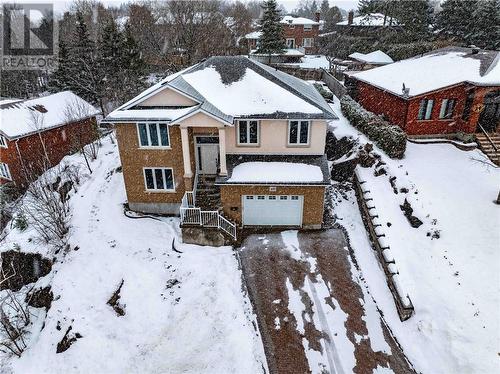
227, 142
36, 134
299, 33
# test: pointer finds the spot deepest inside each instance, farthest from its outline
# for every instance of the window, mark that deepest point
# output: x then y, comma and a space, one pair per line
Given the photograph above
425, 111
4, 171
290, 43
308, 27
447, 106
272, 197
298, 133
3, 141
161, 179
248, 132
308, 42
249, 197
468, 106
295, 197
283, 197
153, 134
261, 197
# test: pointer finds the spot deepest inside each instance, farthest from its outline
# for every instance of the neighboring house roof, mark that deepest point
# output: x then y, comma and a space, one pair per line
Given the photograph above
254, 35
290, 52
23, 117
436, 70
291, 20
375, 58
231, 86
371, 19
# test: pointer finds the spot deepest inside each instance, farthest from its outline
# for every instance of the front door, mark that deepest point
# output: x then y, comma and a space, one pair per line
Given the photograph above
207, 148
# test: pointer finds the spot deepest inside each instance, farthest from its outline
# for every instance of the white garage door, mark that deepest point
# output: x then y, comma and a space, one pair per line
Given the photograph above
279, 210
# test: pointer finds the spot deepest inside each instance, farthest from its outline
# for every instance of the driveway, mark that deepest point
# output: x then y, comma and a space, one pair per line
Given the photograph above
314, 312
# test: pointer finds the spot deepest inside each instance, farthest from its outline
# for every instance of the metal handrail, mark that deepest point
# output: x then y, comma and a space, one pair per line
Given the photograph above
488, 137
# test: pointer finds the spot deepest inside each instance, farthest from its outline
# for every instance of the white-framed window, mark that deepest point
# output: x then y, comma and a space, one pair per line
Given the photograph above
63, 135
4, 171
294, 197
272, 197
308, 27
159, 179
248, 132
308, 42
447, 107
283, 197
290, 42
260, 197
3, 141
153, 135
425, 111
298, 132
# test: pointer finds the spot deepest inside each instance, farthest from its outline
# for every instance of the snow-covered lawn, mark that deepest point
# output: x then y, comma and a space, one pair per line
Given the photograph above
450, 265
184, 312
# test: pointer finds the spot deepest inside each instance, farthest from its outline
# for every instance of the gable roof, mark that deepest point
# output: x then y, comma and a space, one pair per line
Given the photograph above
291, 20
375, 58
436, 70
226, 87
371, 19
20, 118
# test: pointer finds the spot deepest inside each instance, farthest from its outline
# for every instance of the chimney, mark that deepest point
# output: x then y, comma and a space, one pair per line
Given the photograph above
317, 16
350, 17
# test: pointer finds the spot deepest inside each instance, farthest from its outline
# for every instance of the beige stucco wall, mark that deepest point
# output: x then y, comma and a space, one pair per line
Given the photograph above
274, 138
168, 97
200, 120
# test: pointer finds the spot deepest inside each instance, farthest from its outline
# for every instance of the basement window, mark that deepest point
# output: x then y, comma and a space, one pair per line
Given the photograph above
425, 111
447, 106
153, 135
159, 179
4, 171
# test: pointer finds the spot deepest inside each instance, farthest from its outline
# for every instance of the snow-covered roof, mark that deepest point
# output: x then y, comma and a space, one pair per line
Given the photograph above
276, 172
291, 20
376, 57
230, 86
254, 35
23, 117
290, 52
436, 70
371, 19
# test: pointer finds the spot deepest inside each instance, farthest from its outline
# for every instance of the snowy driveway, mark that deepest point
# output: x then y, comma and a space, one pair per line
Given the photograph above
313, 308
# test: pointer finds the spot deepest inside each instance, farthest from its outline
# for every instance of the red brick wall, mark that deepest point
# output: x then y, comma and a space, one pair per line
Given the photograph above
404, 113
59, 142
298, 33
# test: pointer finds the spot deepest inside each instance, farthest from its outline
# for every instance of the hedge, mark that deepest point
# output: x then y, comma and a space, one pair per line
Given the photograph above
390, 138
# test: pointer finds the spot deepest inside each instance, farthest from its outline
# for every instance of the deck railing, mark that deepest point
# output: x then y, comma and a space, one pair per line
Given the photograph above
193, 215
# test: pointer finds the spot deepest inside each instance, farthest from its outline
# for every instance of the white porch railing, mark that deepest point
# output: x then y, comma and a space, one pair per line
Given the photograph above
192, 215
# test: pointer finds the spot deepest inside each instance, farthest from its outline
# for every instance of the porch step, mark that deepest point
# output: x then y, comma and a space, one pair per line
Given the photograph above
208, 194
488, 146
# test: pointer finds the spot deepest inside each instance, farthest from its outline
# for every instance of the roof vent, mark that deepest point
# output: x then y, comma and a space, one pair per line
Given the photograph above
405, 91
474, 50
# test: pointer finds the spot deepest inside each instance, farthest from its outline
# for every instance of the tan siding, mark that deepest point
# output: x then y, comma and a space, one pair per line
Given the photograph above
134, 159
313, 200
200, 120
168, 97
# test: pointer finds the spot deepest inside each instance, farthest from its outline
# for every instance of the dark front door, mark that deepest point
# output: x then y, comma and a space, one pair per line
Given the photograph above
490, 116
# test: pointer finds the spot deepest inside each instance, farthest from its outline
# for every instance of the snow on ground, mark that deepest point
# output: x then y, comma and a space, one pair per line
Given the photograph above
453, 280
276, 172
185, 312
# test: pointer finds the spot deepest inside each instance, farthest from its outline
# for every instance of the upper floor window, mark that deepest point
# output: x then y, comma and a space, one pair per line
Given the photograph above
153, 134
248, 132
4, 171
3, 141
290, 43
298, 132
159, 179
425, 111
308, 42
308, 27
447, 106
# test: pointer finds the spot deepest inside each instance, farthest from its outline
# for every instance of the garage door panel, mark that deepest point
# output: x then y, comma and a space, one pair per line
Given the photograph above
278, 210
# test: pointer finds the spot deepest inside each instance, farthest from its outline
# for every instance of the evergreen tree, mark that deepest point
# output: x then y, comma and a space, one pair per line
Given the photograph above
456, 20
324, 8
415, 15
313, 9
332, 17
272, 40
370, 6
61, 78
110, 58
486, 25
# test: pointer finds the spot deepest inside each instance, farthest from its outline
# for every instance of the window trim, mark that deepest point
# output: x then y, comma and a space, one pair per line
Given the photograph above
298, 144
444, 106
248, 133
308, 27
149, 137
146, 189
6, 166
426, 110
3, 142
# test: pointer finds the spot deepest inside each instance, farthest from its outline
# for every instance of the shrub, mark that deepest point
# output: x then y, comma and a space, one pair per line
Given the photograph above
390, 138
20, 222
327, 95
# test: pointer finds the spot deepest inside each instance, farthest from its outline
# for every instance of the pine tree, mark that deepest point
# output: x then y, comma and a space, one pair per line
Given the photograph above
486, 25
324, 8
272, 40
456, 19
61, 78
415, 15
332, 17
370, 6
109, 59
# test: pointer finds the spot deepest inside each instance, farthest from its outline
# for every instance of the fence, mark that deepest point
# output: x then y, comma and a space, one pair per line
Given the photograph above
333, 84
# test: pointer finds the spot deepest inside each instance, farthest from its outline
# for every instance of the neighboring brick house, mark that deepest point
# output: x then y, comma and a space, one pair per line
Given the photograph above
446, 91
299, 33
38, 133
227, 135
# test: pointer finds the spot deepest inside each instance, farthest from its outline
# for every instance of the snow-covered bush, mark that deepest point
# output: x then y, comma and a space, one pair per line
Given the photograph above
390, 138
